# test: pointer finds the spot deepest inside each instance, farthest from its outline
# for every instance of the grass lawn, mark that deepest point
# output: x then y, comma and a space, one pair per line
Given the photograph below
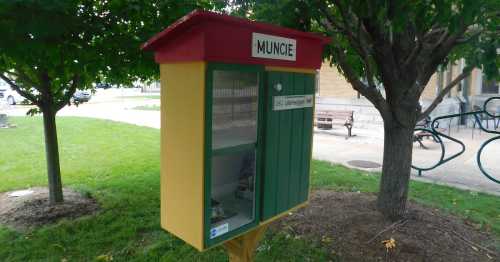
118, 164
148, 108
143, 97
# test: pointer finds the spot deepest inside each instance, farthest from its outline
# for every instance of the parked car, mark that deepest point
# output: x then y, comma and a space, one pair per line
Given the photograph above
81, 96
11, 96
103, 85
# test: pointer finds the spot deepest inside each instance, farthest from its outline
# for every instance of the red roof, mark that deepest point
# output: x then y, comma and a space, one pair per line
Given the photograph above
209, 36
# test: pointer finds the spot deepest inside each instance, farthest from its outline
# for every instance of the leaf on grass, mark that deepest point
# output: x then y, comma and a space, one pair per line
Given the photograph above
326, 240
389, 244
105, 258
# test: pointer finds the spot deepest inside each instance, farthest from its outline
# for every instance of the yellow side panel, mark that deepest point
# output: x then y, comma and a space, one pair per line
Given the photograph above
182, 154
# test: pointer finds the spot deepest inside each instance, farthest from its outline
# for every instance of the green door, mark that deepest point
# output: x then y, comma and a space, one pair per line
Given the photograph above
288, 133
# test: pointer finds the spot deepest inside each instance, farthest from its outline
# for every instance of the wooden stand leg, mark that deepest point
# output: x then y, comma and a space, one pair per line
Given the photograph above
242, 248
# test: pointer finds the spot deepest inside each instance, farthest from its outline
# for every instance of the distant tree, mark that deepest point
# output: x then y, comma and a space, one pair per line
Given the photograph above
399, 44
51, 48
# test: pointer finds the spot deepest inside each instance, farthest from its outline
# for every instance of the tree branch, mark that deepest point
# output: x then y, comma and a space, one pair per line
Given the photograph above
433, 31
414, 52
370, 92
362, 52
24, 77
69, 93
473, 35
358, 41
443, 93
19, 90
438, 52
442, 37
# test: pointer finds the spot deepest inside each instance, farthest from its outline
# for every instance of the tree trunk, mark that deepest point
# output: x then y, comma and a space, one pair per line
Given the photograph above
52, 155
394, 184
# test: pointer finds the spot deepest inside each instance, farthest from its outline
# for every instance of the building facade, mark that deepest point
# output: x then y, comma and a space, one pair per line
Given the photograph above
335, 92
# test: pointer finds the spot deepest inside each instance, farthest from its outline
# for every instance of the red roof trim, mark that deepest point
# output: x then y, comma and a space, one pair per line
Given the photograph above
198, 15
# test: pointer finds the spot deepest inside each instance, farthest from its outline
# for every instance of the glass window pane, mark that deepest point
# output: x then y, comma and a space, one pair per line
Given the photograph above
490, 87
233, 191
234, 108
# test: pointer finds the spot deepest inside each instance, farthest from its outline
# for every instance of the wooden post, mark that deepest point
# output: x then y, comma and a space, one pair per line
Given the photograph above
242, 248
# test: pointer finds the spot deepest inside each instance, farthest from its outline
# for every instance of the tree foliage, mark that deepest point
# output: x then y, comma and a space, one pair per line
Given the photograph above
78, 42
435, 33
398, 45
51, 48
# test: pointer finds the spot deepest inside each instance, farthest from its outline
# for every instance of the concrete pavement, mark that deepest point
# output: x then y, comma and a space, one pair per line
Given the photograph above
112, 104
461, 172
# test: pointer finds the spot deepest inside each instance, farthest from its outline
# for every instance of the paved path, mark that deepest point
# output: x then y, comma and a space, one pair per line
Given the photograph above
112, 104
118, 105
461, 172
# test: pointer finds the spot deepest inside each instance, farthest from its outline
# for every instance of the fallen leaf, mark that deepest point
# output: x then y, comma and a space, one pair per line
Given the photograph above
389, 244
105, 258
326, 239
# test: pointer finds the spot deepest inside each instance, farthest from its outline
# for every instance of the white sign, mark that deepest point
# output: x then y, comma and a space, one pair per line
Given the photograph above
292, 102
273, 47
219, 230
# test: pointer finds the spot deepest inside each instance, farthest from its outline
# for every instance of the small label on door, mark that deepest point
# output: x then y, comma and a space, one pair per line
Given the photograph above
219, 230
292, 102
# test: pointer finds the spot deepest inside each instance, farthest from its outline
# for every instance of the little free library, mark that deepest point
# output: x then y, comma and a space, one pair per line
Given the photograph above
237, 101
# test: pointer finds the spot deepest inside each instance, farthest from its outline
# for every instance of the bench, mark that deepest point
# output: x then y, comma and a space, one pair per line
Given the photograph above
326, 119
419, 135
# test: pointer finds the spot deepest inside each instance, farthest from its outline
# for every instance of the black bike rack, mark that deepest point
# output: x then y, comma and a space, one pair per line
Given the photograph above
437, 136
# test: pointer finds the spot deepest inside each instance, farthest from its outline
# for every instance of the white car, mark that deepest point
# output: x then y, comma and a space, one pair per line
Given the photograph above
10, 96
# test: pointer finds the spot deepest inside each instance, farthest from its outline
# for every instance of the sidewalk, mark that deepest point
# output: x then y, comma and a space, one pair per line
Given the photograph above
461, 172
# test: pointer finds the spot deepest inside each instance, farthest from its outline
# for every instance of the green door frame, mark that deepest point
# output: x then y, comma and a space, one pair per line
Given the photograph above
211, 67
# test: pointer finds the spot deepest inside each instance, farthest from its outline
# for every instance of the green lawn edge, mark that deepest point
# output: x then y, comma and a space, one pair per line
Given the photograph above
147, 108
118, 164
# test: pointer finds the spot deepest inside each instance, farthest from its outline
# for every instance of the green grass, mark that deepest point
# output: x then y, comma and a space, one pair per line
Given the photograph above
119, 165
148, 108
142, 97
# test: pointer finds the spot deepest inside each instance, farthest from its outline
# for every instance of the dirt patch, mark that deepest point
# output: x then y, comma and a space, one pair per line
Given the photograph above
349, 225
31, 208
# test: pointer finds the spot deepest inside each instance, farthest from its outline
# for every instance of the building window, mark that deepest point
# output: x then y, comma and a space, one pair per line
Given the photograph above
489, 87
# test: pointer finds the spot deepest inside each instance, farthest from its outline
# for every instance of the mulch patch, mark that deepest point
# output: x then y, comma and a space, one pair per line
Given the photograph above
33, 210
350, 227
